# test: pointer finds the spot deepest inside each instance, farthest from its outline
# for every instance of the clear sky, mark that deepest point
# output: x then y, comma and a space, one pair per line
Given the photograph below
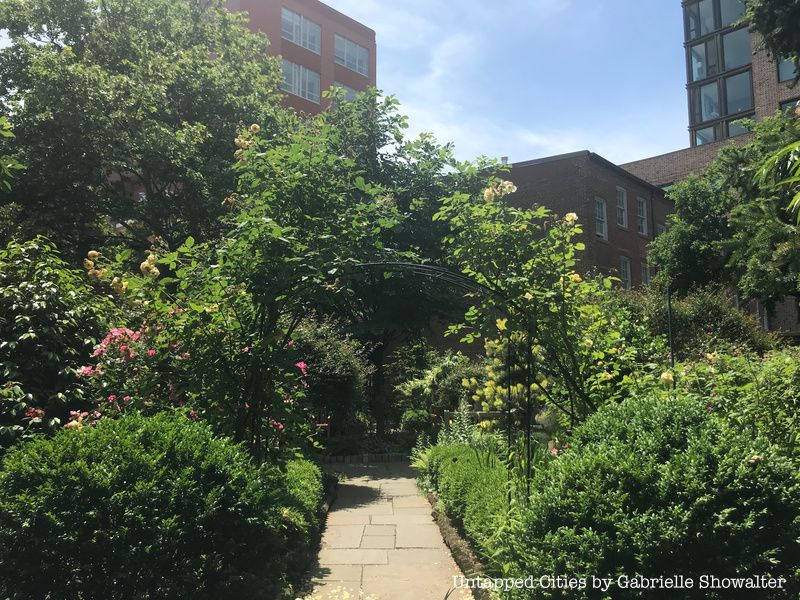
533, 78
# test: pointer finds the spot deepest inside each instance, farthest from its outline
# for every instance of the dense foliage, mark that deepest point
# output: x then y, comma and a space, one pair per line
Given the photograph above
50, 319
775, 20
569, 342
702, 320
153, 507
651, 483
732, 227
130, 108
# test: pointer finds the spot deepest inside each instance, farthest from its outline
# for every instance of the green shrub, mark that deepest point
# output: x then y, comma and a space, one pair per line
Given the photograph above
656, 487
471, 487
150, 507
338, 371
49, 322
700, 320
416, 420
758, 394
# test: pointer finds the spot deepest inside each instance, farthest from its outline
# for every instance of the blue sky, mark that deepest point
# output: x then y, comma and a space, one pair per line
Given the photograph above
533, 78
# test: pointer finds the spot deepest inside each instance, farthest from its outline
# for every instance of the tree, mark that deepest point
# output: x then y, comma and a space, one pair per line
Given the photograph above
125, 113
731, 227
776, 21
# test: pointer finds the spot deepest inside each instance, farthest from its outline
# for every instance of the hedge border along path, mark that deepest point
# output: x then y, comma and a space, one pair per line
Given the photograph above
381, 542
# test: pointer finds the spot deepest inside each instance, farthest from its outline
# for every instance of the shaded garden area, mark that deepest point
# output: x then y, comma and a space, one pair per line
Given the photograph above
200, 298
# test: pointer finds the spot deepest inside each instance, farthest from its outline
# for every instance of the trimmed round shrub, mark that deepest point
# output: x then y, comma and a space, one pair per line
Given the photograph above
659, 487
149, 507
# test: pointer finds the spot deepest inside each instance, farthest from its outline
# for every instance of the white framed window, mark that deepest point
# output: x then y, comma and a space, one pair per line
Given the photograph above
300, 81
646, 273
641, 216
349, 93
601, 218
625, 272
299, 30
351, 55
622, 207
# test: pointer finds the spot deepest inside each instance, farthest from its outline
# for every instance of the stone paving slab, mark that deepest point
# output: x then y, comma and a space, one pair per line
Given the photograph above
381, 542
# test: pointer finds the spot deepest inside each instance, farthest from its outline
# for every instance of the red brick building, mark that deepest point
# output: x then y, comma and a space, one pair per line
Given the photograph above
320, 48
620, 213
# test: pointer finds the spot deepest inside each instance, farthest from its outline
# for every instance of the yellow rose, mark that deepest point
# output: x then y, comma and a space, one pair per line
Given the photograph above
571, 218
255, 128
488, 194
667, 378
93, 254
575, 278
145, 267
88, 264
501, 324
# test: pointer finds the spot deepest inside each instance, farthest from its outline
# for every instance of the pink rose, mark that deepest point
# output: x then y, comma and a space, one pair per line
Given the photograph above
151, 352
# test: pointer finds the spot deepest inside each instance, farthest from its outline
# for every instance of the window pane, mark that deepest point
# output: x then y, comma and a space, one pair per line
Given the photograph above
704, 60
731, 11
735, 128
705, 136
739, 93
736, 46
706, 102
786, 70
700, 18
790, 106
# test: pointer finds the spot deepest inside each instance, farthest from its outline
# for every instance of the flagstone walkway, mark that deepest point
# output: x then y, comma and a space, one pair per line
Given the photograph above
380, 541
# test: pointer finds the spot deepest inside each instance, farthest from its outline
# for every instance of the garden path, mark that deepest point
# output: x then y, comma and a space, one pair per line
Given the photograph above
380, 541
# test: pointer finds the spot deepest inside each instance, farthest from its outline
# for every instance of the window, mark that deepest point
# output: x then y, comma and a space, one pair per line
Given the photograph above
704, 60
738, 93
646, 275
699, 18
349, 93
790, 105
786, 70
600, 218
730, 11
736, 48
299, 30
705, 102
735, 128
300, 81
625, 271
622, 207
707, 135
641, 216
351, 55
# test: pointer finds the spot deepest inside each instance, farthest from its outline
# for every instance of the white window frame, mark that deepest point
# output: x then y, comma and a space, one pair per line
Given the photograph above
622, 207
300, 81
642, 226
300, 30
625, 272
647, 275
601, 218
351, 55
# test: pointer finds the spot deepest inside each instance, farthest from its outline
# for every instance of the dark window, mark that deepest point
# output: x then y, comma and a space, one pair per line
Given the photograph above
735, 128
708, 135
705, 102
790, 105
731, 11
736, 48
786, 70
704, 60
738, 93
699, 18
